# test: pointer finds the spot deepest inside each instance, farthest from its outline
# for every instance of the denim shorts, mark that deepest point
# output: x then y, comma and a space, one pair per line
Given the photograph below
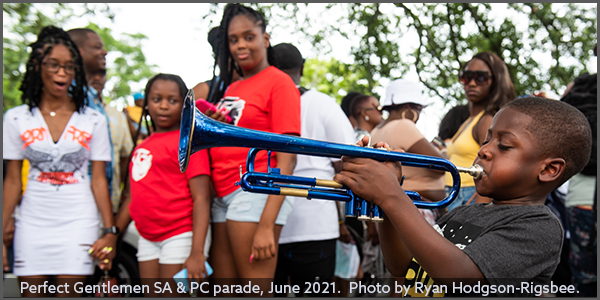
463, 197
243, 206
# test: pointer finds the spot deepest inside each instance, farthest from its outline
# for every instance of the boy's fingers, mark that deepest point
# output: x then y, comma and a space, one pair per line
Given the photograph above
344, 179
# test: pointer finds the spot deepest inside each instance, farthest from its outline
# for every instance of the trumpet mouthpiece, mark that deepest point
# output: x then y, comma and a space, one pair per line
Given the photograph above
475, 171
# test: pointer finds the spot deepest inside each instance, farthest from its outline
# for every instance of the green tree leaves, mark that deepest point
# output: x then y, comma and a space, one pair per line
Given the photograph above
25, 21
446, 35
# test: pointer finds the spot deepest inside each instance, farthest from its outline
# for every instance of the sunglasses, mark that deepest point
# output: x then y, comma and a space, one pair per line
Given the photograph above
378, 109
481, 77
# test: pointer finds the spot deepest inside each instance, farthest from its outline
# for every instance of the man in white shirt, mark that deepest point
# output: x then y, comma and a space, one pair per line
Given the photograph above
307, 244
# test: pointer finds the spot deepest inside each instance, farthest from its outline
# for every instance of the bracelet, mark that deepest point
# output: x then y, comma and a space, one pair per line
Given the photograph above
340, 222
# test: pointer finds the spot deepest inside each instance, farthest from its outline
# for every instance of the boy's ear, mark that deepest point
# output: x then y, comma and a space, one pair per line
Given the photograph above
553, 169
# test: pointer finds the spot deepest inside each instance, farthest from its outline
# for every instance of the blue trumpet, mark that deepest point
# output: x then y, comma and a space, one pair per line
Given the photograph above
201, 132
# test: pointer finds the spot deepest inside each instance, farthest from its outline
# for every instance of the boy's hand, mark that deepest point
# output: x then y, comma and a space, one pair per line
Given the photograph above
374, 181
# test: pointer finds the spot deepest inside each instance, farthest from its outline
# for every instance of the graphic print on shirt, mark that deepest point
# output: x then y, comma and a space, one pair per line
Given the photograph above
234, 106
32, 135
79, 136
142, 161
55, 167
461, 235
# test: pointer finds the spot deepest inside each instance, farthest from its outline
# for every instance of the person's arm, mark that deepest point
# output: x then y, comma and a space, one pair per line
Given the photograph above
263, 246
102, 198
424, 147
122, 219
395, 254
378, 183
11, 189
10, 195
200, 189
201, 90
344, 232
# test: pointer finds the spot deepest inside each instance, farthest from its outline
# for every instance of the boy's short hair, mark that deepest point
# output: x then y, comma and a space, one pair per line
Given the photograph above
561, 130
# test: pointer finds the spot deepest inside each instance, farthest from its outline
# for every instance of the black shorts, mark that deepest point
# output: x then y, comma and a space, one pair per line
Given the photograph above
312, 261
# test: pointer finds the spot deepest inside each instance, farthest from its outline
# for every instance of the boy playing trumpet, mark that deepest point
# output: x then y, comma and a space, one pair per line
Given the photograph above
533, 146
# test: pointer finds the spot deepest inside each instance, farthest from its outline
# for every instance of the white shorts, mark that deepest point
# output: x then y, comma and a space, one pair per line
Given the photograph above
174, 250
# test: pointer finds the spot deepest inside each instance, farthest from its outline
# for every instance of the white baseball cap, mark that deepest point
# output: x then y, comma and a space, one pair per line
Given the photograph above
402, 91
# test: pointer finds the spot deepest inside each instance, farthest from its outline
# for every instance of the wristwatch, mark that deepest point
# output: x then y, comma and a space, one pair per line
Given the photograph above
113, 229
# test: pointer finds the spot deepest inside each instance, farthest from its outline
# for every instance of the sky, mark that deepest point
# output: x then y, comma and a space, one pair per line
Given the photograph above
177, 43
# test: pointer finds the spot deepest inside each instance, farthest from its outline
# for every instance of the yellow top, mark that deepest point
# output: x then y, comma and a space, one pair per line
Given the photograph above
463, 149
135, 112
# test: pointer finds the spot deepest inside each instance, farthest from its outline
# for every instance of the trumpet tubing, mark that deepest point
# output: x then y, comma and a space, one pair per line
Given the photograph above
200, 132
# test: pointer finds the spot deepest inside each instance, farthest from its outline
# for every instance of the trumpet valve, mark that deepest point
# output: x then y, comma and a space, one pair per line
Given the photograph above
364, 211
364, 218
376, 214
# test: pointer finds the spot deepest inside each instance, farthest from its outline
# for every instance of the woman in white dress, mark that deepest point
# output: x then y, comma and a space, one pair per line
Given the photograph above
56, 229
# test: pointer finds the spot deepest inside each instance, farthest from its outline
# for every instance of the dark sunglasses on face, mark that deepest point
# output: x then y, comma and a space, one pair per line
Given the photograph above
481, 77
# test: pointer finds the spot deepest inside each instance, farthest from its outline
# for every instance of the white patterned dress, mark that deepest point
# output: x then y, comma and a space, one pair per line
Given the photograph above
58, 218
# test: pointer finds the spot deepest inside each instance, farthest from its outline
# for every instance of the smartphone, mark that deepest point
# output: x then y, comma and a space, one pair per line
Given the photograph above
204, 105
182, 275
438, 142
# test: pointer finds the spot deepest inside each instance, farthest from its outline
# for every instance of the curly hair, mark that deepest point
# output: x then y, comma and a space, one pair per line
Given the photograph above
224, 57
502, 90
32, 84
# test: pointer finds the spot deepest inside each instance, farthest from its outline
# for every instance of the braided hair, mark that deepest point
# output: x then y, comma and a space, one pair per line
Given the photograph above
223, 57
162, 76
32, 84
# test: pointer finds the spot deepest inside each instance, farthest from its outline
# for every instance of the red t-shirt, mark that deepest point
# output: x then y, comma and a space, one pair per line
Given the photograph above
268, 101
161, 201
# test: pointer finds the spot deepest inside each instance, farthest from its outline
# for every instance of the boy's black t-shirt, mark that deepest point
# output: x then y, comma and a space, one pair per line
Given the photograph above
510, 244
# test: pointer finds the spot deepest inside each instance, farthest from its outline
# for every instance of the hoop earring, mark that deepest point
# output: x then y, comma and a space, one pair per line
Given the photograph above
414, 113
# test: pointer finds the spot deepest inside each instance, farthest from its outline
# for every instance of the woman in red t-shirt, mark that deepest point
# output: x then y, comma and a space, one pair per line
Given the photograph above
246, 226
170, 208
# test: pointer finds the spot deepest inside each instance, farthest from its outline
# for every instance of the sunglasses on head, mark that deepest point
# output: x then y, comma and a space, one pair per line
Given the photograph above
480, 77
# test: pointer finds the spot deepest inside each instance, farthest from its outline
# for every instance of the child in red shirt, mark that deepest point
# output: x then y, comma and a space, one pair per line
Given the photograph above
170, 208
246, 226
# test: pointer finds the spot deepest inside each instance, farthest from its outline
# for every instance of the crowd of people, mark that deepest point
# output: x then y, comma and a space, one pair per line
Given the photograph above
78, 172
